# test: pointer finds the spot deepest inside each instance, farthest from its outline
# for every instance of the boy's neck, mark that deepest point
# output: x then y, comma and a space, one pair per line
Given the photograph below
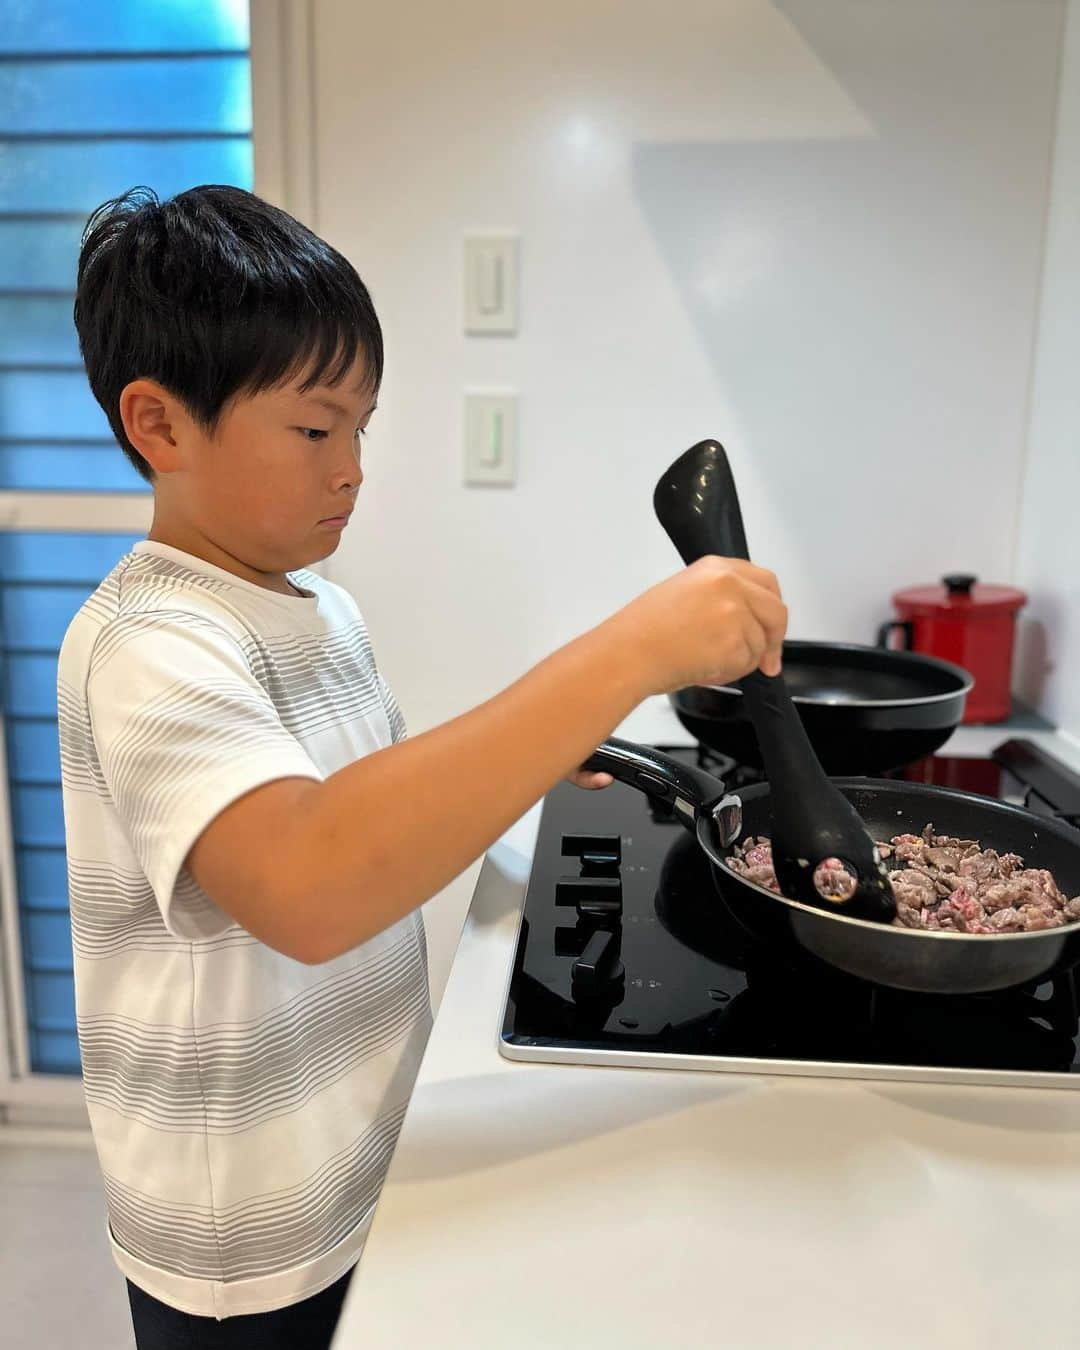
200, 547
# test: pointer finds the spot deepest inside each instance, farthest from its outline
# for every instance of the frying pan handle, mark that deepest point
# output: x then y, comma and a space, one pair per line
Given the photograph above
905, 629
657, 775
691, 791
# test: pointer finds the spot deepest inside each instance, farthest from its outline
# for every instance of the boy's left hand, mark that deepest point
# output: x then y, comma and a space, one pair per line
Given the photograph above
585, 778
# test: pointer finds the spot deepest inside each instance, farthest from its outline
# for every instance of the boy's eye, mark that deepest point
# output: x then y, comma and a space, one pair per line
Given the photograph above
317, 434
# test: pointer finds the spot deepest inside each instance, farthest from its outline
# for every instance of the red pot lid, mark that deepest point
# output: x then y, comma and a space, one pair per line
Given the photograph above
960, 594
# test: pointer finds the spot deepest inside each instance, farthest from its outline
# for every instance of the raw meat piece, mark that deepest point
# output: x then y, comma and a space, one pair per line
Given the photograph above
941, 885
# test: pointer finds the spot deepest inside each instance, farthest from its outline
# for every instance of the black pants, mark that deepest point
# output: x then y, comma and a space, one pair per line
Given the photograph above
302, 1326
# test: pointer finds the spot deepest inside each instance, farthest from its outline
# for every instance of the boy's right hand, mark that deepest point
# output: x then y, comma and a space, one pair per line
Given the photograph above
711, 623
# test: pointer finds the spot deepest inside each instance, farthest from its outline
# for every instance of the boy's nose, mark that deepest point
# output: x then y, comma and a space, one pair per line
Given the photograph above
350, 475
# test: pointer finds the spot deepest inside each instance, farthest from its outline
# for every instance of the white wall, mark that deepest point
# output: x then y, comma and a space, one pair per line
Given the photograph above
812, 229
1049, 548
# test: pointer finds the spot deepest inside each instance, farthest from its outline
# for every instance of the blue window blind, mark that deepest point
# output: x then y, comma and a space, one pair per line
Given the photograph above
94, 99
44, 578
49, 27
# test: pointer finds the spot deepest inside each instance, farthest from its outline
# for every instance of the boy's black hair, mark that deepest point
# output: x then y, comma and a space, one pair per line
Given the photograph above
214, 293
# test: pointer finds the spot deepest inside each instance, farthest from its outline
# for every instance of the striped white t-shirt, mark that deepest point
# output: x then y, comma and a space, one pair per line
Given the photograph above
244, 1105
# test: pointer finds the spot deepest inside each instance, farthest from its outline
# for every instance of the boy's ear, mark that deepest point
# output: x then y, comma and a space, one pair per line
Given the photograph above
154, 421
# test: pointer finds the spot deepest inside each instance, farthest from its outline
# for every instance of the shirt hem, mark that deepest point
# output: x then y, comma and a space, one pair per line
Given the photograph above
263, 1293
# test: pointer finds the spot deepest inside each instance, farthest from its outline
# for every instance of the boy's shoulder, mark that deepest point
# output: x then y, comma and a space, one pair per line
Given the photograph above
141, 591
143, 584
147, 591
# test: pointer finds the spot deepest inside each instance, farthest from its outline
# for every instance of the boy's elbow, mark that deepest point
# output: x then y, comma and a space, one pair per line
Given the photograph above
308, 945
303, 926
298, 944
302, 949
297, 929
316, 914
315, 950
321, 940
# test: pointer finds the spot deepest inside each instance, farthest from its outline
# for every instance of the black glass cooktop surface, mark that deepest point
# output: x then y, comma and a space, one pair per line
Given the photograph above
626, 946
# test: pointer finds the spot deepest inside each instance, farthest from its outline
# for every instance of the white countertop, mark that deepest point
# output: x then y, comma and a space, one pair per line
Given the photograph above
539, 1206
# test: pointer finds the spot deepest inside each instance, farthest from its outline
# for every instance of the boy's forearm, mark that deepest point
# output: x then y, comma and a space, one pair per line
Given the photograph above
382, 835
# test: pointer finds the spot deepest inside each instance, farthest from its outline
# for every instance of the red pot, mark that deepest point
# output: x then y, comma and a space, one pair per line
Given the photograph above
970, 625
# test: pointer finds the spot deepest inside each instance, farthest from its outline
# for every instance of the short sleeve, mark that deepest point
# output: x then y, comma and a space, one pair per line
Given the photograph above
394, 714
182, 728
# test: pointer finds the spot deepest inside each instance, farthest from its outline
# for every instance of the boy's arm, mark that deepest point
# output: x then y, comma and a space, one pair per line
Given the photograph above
313, 869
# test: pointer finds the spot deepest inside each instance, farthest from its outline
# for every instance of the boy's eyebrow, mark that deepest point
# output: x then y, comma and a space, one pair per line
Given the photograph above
336, 407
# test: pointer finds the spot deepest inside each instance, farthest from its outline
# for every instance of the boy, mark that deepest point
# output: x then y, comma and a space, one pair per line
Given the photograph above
249, 833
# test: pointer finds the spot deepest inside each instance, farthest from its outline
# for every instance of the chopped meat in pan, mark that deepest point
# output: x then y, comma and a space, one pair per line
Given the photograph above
941, 884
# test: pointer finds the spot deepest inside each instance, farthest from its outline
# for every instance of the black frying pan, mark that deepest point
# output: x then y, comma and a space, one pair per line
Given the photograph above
865, 710
903, 958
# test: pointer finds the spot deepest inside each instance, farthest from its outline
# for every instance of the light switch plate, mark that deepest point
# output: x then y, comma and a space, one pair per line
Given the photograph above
491, 430
491, 283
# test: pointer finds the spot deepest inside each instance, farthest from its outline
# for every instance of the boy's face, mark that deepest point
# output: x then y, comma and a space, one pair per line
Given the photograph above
274, 487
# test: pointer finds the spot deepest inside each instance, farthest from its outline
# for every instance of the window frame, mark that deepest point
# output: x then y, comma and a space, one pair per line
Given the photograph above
281, 52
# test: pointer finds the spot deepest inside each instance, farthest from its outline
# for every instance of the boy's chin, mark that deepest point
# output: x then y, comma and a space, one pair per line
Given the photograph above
323, 549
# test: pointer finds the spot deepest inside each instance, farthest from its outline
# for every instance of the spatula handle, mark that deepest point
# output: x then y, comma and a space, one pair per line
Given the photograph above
697, 503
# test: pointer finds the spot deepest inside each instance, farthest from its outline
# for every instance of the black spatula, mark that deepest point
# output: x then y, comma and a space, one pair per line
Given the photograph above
813, 825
